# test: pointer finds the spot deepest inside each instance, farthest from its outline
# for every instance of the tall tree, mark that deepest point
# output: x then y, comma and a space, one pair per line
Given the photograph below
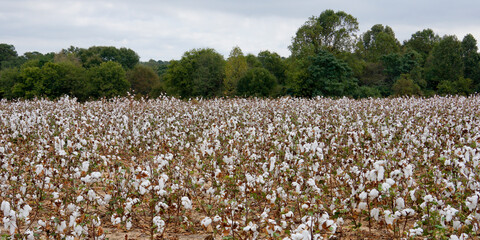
378, 41
423, 42
142, 79
396, 64
323, 75
96, 55
446, 63
334, 31
7, 53
107, 80
471, 58
200, 72
274, 64
8, 78
256, 82
235, 68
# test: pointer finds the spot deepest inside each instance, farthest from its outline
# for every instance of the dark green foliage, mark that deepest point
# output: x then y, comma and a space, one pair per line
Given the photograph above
252, 61
396, 64
423, 42
7, 55
8, 78
257, 82
406, 86
274, 64
462, 86
142, 79
199, 73
334, 31
107, 80
445, 62
471, 58
323, 75
377, 42
94, 56
327, 59
160, 67
372, 74
365, 92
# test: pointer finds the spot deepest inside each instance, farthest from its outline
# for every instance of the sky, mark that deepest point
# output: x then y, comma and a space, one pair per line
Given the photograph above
164, 30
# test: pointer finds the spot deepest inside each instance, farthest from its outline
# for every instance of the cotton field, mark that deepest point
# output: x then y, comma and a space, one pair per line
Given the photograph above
241, 168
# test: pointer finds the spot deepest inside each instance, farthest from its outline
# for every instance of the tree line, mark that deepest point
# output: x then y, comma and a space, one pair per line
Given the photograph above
328, 58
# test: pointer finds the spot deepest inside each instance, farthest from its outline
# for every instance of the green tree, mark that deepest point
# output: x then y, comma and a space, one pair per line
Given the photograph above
373, 75
462, 86
323, 75
107, 80
274, 64
7, 54
235, 68
96, 55
142, 79
200, 72
31, 83
8, 78
406, 86
378, 41
252, 61
64, 78
396, 64
334, 31
445, 62
257, 82
471, 58
160, 67
423, 42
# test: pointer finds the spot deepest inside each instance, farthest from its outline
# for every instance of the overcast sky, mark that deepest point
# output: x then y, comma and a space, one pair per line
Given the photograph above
164, 30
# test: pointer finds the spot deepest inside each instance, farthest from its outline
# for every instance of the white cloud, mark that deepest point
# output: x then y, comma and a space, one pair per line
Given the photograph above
166, 29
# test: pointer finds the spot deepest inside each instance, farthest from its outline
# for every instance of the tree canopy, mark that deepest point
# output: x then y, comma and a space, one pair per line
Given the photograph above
328, 58
334, 31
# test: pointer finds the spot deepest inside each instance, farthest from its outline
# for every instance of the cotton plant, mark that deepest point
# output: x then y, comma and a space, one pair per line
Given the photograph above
254, 167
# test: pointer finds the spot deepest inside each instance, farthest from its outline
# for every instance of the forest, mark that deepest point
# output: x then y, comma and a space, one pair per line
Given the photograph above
329, 57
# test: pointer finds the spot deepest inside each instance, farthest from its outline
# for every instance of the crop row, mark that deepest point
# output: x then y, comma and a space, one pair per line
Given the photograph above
241, 168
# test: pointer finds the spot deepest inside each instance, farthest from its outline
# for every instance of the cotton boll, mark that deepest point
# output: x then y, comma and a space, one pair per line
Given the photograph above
374, 213
107, 198
91, 195
206, 222
380, 173
385, 187
24, 212
78, 230
415, 232
30, 235
115, 220
61, 227
400, 203
38, 169
457, 225
187, 203
472, 202
412, 195
373, 194
362, 206
80, 199
389, 217
5, 207
85, 166
362, 196
217, 218
157, 221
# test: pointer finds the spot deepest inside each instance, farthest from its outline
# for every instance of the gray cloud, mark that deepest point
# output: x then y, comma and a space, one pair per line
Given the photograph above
166, 29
